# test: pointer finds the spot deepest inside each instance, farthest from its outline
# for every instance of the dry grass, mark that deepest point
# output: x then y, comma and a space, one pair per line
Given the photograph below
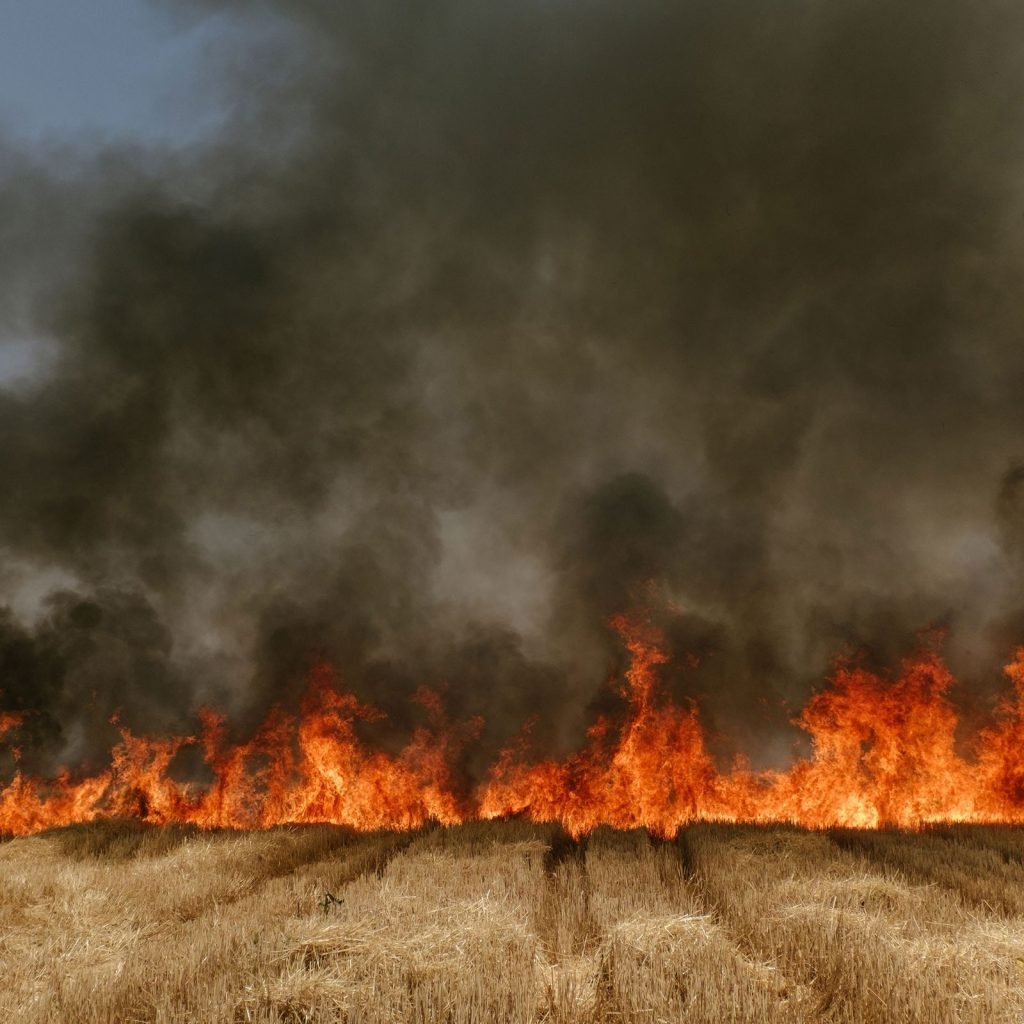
511, 922
979, 875
871, 945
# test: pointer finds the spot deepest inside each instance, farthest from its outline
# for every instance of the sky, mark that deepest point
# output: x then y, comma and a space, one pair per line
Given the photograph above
103, 70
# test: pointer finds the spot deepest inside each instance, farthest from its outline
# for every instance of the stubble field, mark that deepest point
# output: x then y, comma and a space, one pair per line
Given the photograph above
493, 922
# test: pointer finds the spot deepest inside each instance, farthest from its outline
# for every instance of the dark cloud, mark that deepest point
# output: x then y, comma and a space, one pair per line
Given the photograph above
86, 658
480, 316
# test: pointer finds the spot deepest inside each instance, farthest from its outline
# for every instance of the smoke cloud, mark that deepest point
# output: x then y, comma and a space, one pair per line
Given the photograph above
481, 319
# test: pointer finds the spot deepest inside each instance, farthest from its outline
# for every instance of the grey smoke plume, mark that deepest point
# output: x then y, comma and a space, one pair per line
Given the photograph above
482, 315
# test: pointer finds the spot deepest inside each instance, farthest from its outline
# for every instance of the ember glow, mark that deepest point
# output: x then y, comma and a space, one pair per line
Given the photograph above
884, 752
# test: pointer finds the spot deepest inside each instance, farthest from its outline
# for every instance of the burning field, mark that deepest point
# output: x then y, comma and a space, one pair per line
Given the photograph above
512, 510
885, 751
311, 878
511, 921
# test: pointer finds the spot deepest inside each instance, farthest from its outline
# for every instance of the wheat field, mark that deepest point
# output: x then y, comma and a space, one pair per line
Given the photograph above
506, 921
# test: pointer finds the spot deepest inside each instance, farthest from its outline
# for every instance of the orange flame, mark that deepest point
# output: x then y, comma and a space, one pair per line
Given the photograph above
884, 751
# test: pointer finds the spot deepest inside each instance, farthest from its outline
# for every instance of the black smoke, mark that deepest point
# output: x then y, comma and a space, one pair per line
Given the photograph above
479, 322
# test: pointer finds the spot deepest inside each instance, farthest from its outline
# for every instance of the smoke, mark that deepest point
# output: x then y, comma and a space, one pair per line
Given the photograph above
477, 318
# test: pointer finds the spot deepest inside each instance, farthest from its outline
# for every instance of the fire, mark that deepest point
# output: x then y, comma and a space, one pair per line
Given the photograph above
309, 767
883, 752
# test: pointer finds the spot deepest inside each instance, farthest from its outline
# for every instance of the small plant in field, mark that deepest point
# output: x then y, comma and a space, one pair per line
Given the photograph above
330, 900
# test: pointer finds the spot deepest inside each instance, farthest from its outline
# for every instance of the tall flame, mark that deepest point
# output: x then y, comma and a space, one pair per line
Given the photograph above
883, 751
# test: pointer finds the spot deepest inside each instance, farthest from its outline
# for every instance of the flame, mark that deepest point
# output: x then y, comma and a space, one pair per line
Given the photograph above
883, 752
